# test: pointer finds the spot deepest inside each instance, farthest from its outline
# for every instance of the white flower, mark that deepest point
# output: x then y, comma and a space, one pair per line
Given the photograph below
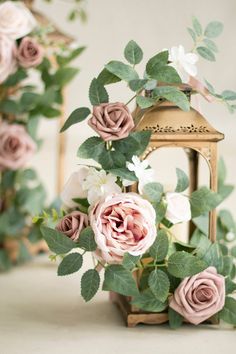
230, 236
184, 63
99, 184
73, 187
178, 208
16, 21
7, 57
141, 170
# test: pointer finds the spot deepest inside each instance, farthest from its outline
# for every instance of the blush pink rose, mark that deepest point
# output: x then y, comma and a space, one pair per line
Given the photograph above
123, 223
7, 57
30, 53
16, 146
72, 224
199, 297
112, 121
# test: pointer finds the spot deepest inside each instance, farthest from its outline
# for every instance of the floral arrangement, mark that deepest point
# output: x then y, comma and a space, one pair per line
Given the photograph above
116, 210
26, 52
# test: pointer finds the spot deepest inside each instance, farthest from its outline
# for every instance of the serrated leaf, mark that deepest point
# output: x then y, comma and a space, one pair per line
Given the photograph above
167, 74
213, 29
75, 117
91, 148
97, 93
70, 264
197, 26
142, 138
183, 181
137, 85
112, 159
120, 280
153, 191
89, 284
133, 53
174, 95
86, 240
57, 241
206, 53
156, 63
203, 200
228, 314
159, 249
130, 261
145, 102
148, 302
182, 264
175, 319
159, 284
123, 71
106, 77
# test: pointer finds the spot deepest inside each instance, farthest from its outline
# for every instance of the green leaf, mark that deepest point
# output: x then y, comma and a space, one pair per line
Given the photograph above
233, 251
175, 319
159, 284
229, 95
230, 286
203, 200
213, 257
222, 173
210, 45
57, 241
76, 116
133, 53
97, 93
145, 102
124, 173
89, 284
183, 181
182, 264
206, 53
112, 159
159, 249
137, 85
120, 280
92, 148
29, 100
197, 26
209, 86
153, 192
5, 262
167, 74
227, 220
106, 77
192, 34
228, 314
156, 63
142, 139
227, 265
10, 107
160, 209
148, 302
202, 223
86, 240
214, 29
123, 71
65, 60
135, 144
130, 261
174, 95
15, 78
64, 75
70, 264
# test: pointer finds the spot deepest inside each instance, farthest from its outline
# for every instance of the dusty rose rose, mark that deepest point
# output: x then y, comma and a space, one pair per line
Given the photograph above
199, 297
7, 57
16, 146
123, 223
72, 224
30, 53
112, 121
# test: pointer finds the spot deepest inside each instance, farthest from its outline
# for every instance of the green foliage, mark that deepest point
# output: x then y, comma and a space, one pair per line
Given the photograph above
119, 279
230, 286
106, 77
213, 29
97, 93
86, 240
133, 53
137, 85
175, 319
153, 191
123, 71
145, 102
182, 264
75, 117
148, 302
57, 241
70, 264
206, 53
130, 261
203, 200
172, 94
159, 248
159, 284
89, 284
92, 148
228, 314
182, 181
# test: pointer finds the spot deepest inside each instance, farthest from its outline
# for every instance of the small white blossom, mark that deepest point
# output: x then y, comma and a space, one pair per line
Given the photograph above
230, 236
184, 63
142, 171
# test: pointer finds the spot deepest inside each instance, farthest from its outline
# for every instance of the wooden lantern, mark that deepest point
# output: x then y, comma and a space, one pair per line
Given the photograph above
172, 127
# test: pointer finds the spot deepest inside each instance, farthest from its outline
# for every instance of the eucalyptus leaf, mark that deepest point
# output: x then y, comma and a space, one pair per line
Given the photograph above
203, 200
213, 29
228, 314
153, 191
183, 181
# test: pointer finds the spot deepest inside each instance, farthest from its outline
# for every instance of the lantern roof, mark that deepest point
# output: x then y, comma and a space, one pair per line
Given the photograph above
169, 123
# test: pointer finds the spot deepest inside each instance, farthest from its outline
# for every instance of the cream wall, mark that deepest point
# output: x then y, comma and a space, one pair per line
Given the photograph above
154, 24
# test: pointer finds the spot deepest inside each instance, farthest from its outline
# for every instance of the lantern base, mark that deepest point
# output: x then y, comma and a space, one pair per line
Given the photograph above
134, 316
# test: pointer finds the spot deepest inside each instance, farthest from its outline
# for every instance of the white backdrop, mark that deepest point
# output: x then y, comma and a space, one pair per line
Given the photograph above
155, 25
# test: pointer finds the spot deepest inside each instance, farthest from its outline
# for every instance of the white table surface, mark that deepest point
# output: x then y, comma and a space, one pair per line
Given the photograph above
41, 313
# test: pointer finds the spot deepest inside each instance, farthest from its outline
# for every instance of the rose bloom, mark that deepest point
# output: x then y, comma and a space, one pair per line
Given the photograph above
30, 53
123, 223
178, 208
199, 297
16, 21
7, 57
112, 121
73, 187
72, 224
16, 146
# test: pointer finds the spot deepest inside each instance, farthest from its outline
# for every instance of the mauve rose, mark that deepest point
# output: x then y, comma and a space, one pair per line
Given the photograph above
178, 208
16, 21
7, 57
199, 297
16, 146
123, 223
72, 224
30, 53
112, 121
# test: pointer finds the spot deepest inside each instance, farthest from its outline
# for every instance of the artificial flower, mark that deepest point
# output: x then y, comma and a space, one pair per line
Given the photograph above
7, 57
72, 224
178, 208
30, 53
199, 297
123, 223
142, 171
184, 63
